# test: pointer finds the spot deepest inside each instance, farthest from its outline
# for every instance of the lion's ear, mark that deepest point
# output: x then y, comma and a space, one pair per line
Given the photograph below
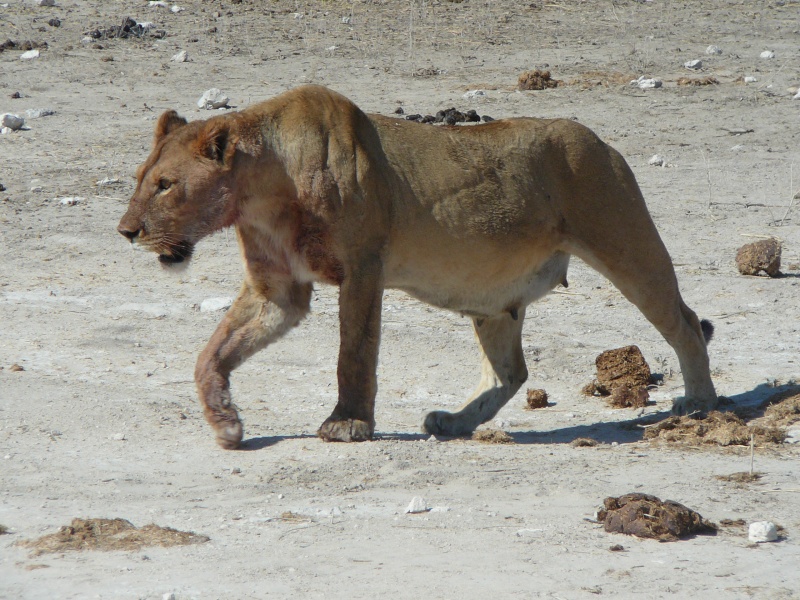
215, 142
169, 121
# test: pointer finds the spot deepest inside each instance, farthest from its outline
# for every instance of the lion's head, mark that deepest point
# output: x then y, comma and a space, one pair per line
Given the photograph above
185, 188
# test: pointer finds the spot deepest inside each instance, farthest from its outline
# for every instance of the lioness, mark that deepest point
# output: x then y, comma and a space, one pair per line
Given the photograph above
480, 220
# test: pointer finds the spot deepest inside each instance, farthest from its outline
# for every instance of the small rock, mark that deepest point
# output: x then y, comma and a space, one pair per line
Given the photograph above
645, 83
15, 368
13, 122
180, 57
713, 50
215, 304
47, 2
440, 509
417, 505
212, 99
693, 64
346, 20
749, 79
36, 113
796, 96
762, 531
793, 436
657, 161
176, 9
105, 181
472, 94
71, 200
118, 437
168, 596
29, 55
767, 54
158, 4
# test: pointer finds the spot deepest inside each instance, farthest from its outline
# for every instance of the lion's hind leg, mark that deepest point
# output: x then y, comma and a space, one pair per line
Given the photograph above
503, 372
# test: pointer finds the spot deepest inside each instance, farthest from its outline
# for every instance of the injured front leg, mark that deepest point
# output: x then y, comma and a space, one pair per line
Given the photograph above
254, 321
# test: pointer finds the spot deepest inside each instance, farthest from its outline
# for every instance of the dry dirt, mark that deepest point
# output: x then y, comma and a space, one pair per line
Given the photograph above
102, 420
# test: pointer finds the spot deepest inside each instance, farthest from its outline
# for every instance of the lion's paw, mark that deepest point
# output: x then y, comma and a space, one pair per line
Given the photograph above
690, 406
229, 435
345, 430
441, 422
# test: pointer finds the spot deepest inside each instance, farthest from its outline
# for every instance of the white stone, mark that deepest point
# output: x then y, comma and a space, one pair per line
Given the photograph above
215, 304
767, 54
71, 200
168, 596
29, 55
645, 83
657, 161
108, 181
763, 531
713, 50
440, 509
181, 56
176, 9
472, 94
793, 435
346, 20
212, 98
118, 437
750, 79
36, 113
158, 4
796, 96
47, 2
417, 505
693, 64
13, 122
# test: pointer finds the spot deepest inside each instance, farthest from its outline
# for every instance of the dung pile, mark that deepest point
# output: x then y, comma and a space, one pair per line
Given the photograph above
110, 534
764, 255
623, 374
646, 516
722, 429
536, 80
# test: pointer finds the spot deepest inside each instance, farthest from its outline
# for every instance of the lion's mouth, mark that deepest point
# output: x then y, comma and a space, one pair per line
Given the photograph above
178, 253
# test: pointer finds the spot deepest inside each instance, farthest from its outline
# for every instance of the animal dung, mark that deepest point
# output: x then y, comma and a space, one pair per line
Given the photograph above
722, 429
110, 534
536, 399
492, 436
623, 374
646, 516
536, 80
763, 255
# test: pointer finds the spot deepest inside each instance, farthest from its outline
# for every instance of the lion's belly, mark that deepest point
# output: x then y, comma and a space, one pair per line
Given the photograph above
479, 288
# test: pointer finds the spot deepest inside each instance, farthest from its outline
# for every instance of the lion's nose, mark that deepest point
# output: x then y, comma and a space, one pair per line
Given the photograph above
128, 232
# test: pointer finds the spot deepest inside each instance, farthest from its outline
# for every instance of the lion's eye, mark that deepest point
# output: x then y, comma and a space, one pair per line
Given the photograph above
164, 184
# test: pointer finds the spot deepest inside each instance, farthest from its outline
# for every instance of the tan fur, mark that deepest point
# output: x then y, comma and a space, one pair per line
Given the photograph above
480, 220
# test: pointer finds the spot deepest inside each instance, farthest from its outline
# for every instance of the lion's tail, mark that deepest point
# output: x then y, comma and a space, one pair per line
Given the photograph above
708, 329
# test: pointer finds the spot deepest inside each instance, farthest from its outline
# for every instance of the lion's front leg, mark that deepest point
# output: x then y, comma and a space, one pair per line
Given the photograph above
360, 298
253, 321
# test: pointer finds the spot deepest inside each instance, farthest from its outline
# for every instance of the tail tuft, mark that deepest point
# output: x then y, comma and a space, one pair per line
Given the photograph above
708, 329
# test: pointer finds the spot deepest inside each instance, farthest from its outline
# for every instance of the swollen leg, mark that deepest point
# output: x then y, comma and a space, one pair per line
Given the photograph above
252, 322
503, 372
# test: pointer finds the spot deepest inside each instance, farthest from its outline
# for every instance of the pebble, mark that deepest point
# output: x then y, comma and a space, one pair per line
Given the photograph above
47, 2
176, 9
657, 161
36, 113
158, 4
13, 122
767, 54
168, 596
215, 304
119, 437
713, 50
645, 83
472, 94
796, 96
29, 55
693, 64
763, 531
793, 436
181, 56
108, 181
750, 79
71, 200
212, 98
417, 505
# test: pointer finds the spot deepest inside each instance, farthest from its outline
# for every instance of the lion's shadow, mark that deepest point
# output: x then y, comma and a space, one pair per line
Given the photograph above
621, 432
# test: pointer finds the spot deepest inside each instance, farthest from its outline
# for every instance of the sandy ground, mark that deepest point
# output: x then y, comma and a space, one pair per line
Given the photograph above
103, 420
